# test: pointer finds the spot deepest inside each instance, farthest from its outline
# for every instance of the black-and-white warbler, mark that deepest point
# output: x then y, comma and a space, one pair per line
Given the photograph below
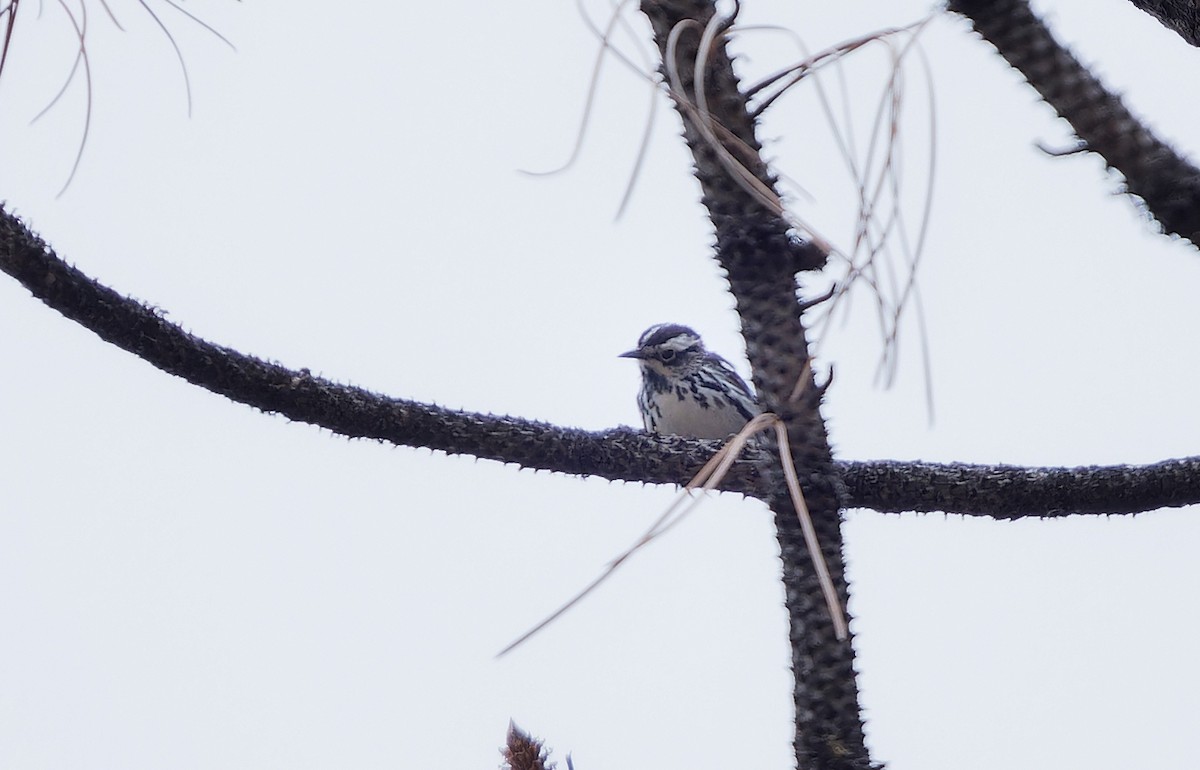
686, 390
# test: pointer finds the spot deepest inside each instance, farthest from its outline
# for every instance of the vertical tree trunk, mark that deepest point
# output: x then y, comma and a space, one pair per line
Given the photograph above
760, 259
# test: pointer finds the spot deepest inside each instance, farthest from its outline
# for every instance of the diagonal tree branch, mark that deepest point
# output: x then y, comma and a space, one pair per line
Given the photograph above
1182, 16
1167, 183
754, 249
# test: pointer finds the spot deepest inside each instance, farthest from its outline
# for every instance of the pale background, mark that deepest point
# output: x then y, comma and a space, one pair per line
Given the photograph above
187, 583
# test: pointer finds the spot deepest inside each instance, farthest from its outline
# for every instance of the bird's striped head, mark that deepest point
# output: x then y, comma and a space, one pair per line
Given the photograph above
668, 349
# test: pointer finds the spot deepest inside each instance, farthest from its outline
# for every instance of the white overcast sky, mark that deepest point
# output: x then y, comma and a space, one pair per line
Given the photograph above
188, 583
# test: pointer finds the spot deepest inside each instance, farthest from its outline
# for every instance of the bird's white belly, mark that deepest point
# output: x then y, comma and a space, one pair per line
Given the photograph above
686, 417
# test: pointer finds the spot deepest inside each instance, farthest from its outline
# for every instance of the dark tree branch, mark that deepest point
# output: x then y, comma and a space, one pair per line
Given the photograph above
1010, 492
754, 249
1166, 182
1182, 16
620, 454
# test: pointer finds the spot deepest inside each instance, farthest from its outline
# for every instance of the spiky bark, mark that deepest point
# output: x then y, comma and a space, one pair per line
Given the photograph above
754, 248
1167, 183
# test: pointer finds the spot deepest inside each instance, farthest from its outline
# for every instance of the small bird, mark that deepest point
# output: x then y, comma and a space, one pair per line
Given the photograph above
686, 390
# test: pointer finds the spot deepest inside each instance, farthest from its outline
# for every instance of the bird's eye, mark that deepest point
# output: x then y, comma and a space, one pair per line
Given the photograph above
666, 356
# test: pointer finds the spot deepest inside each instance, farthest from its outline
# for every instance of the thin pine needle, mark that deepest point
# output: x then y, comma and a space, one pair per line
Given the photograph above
840, 627
202, 23
187, 81
10, 11
81, 58
706, 479
589, 101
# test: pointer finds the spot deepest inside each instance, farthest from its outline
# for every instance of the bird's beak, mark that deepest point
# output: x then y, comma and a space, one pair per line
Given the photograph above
632, 354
